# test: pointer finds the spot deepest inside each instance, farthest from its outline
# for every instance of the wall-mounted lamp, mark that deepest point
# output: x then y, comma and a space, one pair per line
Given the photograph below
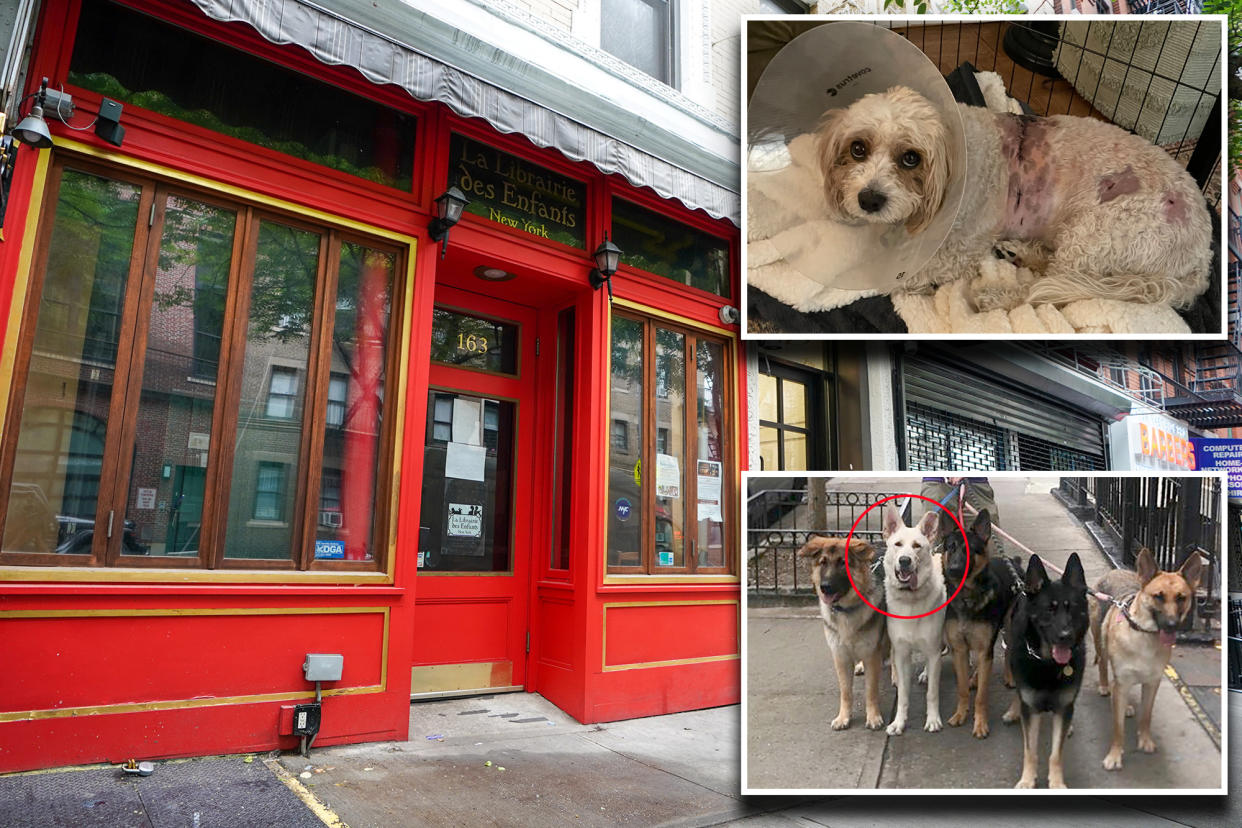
607, 258
32, 130
448, 209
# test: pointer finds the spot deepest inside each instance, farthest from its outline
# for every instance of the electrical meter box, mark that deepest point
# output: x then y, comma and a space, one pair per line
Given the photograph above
323, 666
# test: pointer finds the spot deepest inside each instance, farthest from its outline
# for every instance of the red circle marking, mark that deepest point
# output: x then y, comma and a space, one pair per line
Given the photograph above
850, 536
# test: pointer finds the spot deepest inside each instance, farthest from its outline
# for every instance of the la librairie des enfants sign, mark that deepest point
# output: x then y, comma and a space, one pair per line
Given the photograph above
516, 193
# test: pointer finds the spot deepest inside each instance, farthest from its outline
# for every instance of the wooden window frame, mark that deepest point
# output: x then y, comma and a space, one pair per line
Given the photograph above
107, 554
691, 338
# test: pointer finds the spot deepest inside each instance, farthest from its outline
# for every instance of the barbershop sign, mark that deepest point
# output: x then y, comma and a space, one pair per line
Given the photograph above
1159, 443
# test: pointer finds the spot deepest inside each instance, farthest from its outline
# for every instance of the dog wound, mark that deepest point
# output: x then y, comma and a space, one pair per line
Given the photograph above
1118, 184
1174, 208
1028, 206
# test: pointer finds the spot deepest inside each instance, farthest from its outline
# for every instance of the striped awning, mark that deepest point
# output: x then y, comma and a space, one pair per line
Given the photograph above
394, 43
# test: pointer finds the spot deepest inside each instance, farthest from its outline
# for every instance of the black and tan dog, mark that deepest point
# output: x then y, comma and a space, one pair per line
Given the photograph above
1047, 651
854, 631
981, 609
1134, 636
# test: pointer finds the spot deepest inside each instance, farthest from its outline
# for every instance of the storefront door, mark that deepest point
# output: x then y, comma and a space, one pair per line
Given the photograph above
479, 492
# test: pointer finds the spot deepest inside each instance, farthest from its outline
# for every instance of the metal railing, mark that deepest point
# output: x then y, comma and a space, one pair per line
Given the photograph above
1113, 368
1172, 516
779, 522
1235, 642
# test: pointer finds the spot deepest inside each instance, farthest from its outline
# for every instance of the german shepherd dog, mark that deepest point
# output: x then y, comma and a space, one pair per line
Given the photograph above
1047, 653
974, 619
1135, 635
913, 585
854, 631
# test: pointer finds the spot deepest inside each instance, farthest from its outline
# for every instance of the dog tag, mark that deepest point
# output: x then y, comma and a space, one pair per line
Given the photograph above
1068, 671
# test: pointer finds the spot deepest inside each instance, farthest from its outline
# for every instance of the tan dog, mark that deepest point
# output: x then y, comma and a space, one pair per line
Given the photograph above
854, 631
1137, 648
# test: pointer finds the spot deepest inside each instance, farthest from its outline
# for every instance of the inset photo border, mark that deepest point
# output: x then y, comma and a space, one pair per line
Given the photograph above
1136, 561
1093, 134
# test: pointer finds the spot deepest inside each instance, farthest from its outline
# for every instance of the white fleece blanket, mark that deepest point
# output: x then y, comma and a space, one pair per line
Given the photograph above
784, 215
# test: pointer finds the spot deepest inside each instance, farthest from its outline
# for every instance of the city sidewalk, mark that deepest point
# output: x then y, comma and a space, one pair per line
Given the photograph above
678, 770
792, 695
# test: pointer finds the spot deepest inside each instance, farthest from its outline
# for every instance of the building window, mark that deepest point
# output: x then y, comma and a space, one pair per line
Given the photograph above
792, 414
669, 503
150, 429
145, 62
282, 394
640, 32
666, 247
269, 492
338, 388
620, 436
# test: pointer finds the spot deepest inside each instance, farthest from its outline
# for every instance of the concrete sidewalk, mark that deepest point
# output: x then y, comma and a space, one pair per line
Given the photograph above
792, 695
678, 770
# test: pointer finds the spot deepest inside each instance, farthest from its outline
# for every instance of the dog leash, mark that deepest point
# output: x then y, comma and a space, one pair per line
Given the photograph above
1119, 603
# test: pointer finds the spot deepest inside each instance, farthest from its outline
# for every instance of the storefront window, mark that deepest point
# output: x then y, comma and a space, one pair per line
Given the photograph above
667, 490
169, 400
139, 60
652, 242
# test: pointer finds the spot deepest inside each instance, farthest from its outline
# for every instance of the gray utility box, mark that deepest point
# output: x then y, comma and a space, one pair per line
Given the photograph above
323, 666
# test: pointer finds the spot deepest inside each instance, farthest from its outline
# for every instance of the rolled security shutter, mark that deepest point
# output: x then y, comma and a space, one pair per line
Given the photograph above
957, 418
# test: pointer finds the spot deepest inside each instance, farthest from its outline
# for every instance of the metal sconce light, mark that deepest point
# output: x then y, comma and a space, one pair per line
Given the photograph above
607, 258
32, 130
449, 207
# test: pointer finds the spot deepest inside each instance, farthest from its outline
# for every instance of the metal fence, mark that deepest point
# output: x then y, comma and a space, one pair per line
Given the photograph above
1172, 516
1235, 642
779, 521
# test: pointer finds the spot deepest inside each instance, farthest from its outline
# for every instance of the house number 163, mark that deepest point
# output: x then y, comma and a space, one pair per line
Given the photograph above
472, 343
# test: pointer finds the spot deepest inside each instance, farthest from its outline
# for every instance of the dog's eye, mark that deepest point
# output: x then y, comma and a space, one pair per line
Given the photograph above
1160, 596
910, 159
858, 150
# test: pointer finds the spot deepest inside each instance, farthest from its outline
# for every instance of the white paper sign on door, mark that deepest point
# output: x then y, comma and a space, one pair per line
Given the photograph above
468, 421
709, 491
465, 462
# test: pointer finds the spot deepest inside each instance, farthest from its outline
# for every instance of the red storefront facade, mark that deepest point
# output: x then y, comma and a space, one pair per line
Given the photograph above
309, 428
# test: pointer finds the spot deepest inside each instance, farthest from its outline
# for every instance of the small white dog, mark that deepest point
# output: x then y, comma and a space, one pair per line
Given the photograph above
1095, 212
913, 585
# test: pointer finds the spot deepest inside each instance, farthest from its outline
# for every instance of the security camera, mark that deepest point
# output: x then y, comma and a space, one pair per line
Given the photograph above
729, 315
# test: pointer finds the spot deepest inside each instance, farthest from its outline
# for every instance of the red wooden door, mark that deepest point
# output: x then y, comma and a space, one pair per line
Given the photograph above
479, 493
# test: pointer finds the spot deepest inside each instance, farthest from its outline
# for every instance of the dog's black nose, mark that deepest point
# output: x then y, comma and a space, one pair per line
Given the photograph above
872, 201
904, 561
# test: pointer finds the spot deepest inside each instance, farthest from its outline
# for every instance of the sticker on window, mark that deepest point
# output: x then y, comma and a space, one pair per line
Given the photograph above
465, 520
666, 557
329, 550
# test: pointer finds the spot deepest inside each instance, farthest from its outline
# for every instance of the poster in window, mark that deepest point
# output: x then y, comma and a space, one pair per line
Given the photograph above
463, 461
709, 491
668, 476
465, 520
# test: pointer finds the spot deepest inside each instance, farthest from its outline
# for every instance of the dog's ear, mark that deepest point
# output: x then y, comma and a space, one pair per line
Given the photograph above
1145, 566
1192, 569
983, 526
1036, 575
860, 550
930, 524
892, 521
830, 144
947, 525
936, 175
1074, 575
811, 547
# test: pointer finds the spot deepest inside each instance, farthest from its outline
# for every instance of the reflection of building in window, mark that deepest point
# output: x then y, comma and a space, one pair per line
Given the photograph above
338, 387
640, 33
661, 441
491, 425
442, 418
619, 437
330, 498
269, 491
282, 393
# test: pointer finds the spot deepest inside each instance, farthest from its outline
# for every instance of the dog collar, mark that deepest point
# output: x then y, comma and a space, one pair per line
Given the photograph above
835, 608
1123, 605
